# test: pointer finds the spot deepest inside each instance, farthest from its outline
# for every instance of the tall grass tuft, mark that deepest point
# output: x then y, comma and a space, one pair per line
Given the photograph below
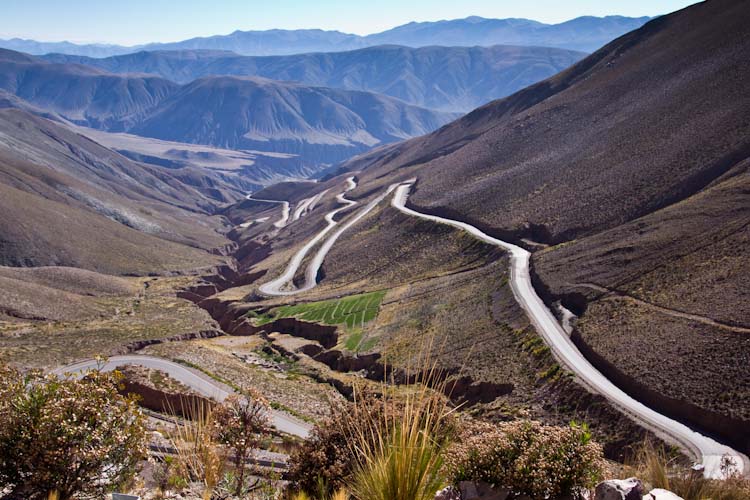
200, 457
399, 450
655, 467
339, 495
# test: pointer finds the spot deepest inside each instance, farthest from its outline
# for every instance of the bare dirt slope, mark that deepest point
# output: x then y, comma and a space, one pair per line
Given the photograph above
67, 201
642, 123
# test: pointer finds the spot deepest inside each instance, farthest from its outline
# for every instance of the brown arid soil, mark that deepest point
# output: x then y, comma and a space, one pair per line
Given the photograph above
664, 299
646, 121
108, 324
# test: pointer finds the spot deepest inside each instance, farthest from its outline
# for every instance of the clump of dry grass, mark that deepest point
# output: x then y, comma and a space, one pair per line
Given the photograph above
385, 445
339, 495
200, 457
399, 448
658, 469
401, 456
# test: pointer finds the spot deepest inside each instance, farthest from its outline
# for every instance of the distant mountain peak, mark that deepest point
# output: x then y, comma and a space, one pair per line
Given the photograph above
593, 32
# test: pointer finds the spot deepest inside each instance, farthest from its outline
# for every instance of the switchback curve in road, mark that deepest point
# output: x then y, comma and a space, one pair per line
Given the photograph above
284, 220
275, 286
307, 205
708, 450
199, 382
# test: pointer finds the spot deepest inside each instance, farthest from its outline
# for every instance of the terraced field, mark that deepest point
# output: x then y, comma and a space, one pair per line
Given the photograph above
353, 311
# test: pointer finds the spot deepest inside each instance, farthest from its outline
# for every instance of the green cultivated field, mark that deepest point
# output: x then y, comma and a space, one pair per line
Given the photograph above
352, 311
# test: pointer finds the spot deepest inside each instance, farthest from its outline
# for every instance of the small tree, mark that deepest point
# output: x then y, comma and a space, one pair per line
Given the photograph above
240, 422
68, 436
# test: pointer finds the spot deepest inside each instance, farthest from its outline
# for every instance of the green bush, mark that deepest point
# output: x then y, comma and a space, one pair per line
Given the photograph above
528, 458
240, 423
67, 437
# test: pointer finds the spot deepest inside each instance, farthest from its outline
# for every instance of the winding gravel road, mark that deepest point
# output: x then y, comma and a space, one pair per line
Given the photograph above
709, 451
196, 380
284, 210
280, 285
275, 287
305, 206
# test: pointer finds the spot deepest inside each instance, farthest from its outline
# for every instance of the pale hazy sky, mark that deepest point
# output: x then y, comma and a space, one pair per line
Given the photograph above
129, 22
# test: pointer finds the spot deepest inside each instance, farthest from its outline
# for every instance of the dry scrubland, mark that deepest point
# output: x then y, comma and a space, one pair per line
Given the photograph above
68, 201
441, 287
665, 296
107, 324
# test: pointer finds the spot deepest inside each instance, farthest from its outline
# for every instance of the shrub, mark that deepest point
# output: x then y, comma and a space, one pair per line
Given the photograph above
325, 460
378, 436
240, 423
67, 437
528, 458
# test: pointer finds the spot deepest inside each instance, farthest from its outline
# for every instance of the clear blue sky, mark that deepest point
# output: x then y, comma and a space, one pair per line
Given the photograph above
130, 22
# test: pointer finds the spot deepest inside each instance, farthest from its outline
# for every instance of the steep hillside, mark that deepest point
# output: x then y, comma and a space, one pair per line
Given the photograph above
317, 123
631, 167
612, 131
67, 201
583, 33
446, 78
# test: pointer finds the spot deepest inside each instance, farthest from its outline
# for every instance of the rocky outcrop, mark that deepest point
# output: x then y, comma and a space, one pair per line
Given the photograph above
660, 494
466, 390
341, 362
141, 344
620, 489
162, 401
613, 489
481, 491
325, 335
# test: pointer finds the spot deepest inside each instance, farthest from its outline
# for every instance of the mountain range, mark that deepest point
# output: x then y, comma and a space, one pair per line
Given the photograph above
68, 201
585, 34
442, 78
323, 125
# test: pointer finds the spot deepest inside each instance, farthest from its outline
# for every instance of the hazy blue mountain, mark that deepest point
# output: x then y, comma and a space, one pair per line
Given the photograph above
268, 42
39, 48
317, 123
584, 33
321, 124
445, 78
